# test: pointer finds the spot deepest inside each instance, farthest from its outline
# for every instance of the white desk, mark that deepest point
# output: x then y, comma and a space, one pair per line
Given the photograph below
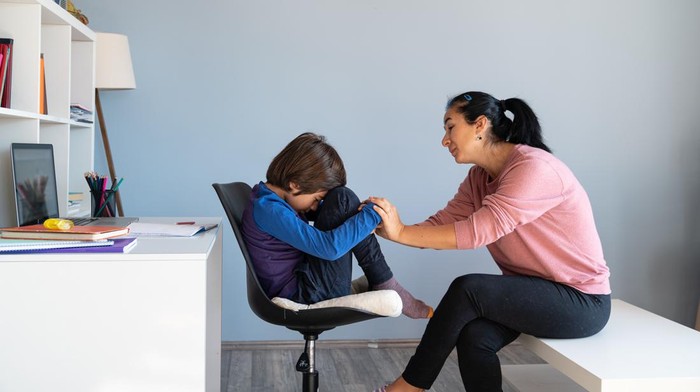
146, 321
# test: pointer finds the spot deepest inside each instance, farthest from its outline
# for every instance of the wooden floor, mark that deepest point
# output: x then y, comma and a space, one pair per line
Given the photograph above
344, 366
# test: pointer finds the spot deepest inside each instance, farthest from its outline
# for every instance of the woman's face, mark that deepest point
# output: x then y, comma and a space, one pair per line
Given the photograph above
459, 136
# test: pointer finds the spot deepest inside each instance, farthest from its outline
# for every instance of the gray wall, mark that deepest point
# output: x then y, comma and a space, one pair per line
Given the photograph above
223, 85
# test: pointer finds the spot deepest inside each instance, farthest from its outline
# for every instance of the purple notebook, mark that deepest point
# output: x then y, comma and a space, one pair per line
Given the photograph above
121, 245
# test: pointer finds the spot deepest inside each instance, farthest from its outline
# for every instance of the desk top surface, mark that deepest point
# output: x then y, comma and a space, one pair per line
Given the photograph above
147, 248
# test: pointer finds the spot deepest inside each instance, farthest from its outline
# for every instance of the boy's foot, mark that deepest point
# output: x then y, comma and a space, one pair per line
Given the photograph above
412, 307
359, 285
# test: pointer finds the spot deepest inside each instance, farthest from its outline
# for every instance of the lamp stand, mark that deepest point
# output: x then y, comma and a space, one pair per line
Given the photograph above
108, 150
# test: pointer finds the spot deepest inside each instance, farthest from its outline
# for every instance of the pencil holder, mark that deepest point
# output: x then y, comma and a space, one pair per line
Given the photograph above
102, 203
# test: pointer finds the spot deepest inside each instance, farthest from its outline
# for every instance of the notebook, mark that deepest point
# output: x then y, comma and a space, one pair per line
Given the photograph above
36, 193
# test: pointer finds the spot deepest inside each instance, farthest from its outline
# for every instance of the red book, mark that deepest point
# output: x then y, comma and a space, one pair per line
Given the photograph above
6, 72
81, 233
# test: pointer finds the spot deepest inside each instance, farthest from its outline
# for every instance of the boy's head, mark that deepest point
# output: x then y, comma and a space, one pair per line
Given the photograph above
310, 163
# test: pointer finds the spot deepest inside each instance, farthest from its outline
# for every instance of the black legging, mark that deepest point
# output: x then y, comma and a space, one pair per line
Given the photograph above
480, 314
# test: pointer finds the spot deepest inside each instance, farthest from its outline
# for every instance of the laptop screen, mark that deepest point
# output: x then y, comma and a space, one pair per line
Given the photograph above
34, 175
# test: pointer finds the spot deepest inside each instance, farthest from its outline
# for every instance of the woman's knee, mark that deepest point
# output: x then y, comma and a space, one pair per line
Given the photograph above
469, 282
484, 335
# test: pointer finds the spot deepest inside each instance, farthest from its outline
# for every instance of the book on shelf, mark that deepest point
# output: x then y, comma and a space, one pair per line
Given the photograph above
8, 245
6, 72
75, 196
83, 233
75, 201
43, 104
73, 209
80, 113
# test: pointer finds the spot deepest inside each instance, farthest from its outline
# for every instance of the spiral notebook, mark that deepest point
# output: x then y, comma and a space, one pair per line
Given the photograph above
20, 245
116, 245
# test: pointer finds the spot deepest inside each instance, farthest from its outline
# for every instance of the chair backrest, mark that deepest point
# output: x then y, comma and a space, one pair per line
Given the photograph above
234, 198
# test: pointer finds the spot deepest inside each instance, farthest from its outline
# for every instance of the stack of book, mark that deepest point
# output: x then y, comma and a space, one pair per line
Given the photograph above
35, 238
80, 113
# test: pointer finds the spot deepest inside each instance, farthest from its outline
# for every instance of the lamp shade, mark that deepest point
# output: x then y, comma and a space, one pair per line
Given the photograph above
113, 69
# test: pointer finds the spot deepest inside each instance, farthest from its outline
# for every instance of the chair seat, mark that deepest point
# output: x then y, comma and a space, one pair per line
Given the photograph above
381, 302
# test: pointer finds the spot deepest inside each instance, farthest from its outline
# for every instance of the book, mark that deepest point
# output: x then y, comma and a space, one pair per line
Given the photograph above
17, 245
6, 71
43, 104
2, 73
75, 196
116, 245
5, 66
81, 233
80, 113
182, 229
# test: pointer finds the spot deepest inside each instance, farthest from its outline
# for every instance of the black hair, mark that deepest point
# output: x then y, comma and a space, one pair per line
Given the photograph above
524, 128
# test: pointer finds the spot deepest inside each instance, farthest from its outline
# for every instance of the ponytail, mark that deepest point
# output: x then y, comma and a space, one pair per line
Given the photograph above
524, 128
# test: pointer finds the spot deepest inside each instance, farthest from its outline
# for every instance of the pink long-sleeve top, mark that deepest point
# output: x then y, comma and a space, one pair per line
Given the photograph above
534, 218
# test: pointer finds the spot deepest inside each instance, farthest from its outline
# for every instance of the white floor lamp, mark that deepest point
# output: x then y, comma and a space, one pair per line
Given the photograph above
113, 71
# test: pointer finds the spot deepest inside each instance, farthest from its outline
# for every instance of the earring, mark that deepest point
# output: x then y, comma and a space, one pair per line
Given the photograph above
478, 137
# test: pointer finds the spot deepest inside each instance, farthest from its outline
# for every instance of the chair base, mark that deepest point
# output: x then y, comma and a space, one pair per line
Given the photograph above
307, 364
310, 382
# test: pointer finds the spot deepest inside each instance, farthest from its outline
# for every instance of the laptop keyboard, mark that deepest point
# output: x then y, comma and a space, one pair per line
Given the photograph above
82, 221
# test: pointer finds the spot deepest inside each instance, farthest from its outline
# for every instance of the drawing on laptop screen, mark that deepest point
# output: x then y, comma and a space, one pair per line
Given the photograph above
34, 175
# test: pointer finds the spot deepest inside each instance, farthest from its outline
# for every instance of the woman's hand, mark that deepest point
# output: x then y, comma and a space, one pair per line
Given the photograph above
391, 226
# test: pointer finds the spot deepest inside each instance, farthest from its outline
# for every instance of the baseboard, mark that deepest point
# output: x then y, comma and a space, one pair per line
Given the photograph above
294, 344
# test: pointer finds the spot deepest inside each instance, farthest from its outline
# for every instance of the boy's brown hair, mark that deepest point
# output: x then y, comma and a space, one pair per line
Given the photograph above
309, 162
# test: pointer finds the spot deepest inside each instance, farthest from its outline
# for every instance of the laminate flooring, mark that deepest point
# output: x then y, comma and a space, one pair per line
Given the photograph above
344, 366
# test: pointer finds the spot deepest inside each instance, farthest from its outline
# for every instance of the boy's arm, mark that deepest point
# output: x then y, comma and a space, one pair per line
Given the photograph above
283, 223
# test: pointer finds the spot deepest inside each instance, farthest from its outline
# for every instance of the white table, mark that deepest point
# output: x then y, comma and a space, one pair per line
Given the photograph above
146, 321
636, 351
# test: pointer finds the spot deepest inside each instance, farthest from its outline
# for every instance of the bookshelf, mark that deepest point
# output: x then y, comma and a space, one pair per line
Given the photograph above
42, 26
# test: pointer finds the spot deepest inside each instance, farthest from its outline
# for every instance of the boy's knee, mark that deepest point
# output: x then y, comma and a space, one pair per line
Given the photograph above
343, 199
339, 204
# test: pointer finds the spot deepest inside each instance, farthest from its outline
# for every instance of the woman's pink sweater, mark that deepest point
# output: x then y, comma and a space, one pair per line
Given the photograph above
535, 219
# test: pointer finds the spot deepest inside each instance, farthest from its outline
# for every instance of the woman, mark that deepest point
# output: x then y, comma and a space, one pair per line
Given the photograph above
535, 219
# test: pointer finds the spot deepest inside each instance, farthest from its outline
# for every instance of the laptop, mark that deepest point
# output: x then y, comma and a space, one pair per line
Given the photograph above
36, 193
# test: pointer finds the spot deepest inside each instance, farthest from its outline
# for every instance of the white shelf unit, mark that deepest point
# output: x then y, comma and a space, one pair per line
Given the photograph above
42, 26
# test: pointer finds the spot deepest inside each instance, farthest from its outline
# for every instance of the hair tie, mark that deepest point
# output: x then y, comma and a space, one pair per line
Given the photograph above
467, 97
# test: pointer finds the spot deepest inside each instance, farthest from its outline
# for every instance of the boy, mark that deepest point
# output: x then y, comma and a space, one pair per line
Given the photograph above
310, 263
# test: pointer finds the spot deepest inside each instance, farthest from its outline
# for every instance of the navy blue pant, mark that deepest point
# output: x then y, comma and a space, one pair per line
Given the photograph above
480, 314
320, 279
